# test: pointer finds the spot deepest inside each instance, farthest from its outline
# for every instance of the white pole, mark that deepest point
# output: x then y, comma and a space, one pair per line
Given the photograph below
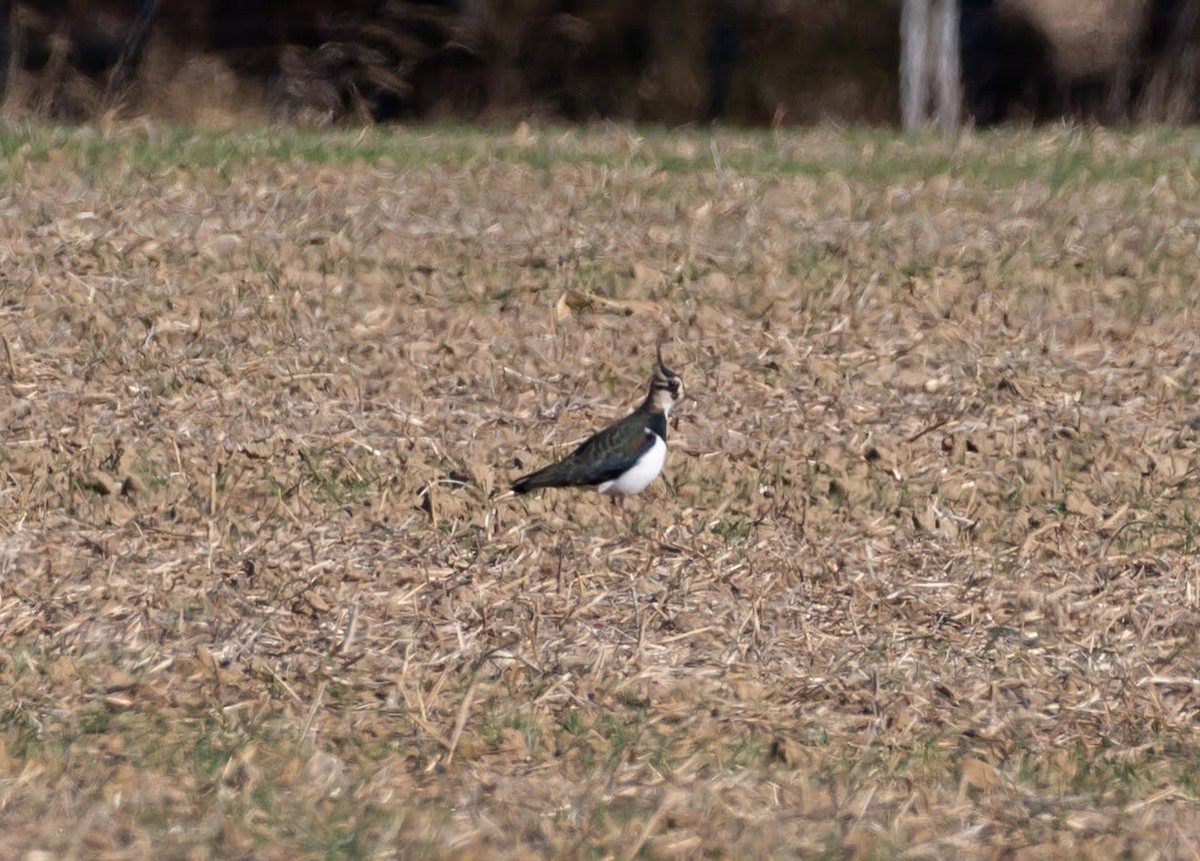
914, 63
949, 71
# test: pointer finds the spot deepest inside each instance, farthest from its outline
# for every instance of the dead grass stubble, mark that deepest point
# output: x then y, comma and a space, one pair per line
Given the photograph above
920, 577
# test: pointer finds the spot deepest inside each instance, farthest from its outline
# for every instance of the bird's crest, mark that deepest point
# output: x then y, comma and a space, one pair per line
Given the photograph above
664, 379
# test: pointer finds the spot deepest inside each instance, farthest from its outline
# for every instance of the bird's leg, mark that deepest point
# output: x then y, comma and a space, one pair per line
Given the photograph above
618, 508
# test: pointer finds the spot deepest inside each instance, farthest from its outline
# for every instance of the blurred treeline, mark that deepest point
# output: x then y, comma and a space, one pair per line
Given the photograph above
673, 61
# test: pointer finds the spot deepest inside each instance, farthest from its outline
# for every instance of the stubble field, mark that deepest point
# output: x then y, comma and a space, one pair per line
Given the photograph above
919, 580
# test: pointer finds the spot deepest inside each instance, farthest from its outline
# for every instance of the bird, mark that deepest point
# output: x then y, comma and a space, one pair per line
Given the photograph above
623, 458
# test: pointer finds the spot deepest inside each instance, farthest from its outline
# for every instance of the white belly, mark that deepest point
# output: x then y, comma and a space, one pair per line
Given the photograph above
644, 471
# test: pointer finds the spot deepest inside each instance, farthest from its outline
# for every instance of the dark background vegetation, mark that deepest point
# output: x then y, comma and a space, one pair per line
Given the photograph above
741, 61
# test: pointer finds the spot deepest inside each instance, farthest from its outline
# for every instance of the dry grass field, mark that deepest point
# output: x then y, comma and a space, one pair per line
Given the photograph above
919, 580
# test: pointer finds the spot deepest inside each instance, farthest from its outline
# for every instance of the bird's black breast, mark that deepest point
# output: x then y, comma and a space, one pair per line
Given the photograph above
657, 422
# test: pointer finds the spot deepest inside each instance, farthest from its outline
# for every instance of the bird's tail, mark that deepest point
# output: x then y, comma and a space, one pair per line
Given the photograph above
546, 477
526, 483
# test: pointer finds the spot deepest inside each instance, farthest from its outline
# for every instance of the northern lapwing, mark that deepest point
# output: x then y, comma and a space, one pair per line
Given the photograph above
624, 457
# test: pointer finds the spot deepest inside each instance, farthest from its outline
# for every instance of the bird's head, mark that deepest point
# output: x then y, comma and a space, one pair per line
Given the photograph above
666, 386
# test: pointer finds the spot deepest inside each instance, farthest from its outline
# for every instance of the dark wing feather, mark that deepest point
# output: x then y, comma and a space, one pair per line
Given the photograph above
600, 458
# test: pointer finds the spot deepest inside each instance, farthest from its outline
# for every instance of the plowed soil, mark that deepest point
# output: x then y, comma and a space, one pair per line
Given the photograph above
919, 578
